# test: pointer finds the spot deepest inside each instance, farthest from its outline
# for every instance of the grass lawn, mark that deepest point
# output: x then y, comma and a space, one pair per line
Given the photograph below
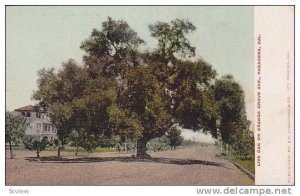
249, 165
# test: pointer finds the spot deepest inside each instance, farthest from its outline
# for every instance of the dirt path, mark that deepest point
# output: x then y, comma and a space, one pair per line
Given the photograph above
190, 166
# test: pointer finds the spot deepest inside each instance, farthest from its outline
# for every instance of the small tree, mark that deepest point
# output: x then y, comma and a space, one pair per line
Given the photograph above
89, 142
76, 139
159, 143
14, 129
111, 141
83, 139
33, 142
175, 138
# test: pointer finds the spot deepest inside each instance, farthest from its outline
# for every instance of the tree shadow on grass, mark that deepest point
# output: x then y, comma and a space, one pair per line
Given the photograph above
53, 159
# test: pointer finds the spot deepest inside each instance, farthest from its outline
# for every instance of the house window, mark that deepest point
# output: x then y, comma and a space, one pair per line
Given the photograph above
49, 128
38, 126
27, 114
38, 115
45, 128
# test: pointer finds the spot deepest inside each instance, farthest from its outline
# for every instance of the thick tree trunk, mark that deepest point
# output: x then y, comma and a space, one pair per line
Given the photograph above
10, 150
141, 148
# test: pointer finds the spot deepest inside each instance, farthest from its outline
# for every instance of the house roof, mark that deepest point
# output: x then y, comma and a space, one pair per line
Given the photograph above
26, 108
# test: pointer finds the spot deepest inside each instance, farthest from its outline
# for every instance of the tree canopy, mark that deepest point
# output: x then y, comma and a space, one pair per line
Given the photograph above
172, 37
174, 136
231, 105
112, 48
121, 90
34, 142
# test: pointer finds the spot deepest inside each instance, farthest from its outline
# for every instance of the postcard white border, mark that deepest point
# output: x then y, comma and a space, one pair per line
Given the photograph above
131, 190
274, 94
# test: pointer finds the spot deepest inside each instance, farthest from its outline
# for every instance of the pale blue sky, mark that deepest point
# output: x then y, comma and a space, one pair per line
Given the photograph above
45, 36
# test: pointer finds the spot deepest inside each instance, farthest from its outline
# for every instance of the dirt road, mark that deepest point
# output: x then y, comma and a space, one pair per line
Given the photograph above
189, 166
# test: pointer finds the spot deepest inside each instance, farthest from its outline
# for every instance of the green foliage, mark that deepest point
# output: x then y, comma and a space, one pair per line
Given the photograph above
243, 146
91, 111
190, 84
113, 39
232, 121
15, 126
76, 138
90, 142
124, 123
110, 141
211, 112
123, 92
143, 97
81, 138
171, 37
247, 164
47, 88
14, 129
61, 113
229, 96
33, 142
56, 92
159, 144
116, 42
174, 136
62, 86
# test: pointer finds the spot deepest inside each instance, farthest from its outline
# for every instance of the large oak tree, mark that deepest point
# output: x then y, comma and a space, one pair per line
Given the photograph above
123, 91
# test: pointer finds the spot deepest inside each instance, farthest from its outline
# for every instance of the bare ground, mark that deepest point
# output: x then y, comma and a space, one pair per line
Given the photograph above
189, 166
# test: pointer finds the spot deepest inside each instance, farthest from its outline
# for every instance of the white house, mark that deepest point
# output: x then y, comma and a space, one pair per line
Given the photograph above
39, 123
